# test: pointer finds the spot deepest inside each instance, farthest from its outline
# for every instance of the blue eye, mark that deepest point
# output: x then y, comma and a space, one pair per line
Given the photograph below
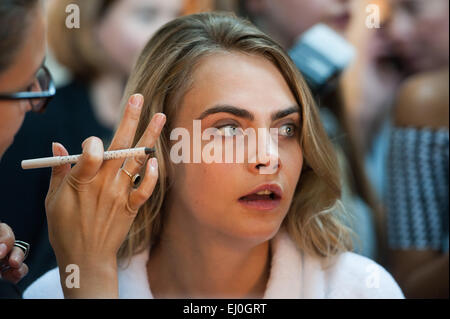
287, 130
229, 130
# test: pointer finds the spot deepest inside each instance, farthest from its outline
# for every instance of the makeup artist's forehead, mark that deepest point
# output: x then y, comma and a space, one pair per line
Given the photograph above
246, 81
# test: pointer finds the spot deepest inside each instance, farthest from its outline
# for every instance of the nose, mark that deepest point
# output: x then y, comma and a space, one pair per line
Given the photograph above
28, 106
24, 106
268, 167
265, 157
399, 28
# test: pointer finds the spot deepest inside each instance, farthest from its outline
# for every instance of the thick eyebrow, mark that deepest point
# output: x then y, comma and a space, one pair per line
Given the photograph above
227, 109
239, 112
283, 113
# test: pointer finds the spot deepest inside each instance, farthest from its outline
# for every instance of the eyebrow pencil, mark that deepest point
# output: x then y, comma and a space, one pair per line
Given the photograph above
73, 159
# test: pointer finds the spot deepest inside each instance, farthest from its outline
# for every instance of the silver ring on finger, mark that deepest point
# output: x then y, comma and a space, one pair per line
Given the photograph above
24, 246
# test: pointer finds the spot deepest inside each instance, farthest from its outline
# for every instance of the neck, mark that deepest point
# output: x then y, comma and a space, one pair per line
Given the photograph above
191, 261
106, 94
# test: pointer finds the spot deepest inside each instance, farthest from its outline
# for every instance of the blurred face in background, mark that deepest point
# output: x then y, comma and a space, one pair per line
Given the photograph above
293, 17
19, 76
129, 24
419, 31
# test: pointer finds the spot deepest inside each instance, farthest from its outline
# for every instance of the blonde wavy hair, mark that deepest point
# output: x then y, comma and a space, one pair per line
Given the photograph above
163, 74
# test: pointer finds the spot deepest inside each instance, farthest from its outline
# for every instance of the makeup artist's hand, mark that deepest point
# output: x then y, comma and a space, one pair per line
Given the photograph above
12, 267
90, 208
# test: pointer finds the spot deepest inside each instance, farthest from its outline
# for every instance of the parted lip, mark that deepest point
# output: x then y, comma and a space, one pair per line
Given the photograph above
274, 188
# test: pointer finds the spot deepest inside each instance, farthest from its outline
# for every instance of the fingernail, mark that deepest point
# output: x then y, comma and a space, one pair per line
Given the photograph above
154, 163
160, 119
93, 146
136, 100
56, 149
3, 249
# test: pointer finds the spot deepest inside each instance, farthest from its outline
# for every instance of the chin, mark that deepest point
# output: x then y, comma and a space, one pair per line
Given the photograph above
259, 225
255, 232
3, 149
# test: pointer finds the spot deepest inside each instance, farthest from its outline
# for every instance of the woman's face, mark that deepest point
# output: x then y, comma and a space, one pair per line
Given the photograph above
293, 17
211, 195
18, 77
129, 24
418, 30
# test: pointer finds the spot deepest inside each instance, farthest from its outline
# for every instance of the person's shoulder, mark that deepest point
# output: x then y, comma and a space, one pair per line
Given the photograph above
350, 275
47, 286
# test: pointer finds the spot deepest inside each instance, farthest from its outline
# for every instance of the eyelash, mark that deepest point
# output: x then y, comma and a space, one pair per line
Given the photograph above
292, 125
294, 128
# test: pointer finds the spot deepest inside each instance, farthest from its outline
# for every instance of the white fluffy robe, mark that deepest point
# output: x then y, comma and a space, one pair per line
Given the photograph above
293, 275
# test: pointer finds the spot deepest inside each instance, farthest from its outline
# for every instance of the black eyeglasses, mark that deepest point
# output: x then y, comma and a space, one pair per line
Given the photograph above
38, 93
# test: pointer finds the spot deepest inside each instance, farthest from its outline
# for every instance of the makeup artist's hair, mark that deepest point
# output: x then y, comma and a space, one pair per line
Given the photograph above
78, 49
15, 18
163, 74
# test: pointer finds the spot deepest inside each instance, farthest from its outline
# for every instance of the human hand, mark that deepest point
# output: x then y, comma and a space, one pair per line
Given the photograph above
90, 208
12, 267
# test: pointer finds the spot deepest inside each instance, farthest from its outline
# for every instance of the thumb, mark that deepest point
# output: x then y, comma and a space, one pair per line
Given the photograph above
58, 172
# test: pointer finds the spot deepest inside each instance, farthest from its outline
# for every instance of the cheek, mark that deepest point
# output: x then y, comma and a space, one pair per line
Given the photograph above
11, 118
292, 161
210, 181
433, 32
135, 35
205, 186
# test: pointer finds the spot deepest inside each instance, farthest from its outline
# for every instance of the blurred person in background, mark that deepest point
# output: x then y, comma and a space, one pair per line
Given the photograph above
417, 187
22, 75
100, 56
369, 86
286, 21
418, 31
